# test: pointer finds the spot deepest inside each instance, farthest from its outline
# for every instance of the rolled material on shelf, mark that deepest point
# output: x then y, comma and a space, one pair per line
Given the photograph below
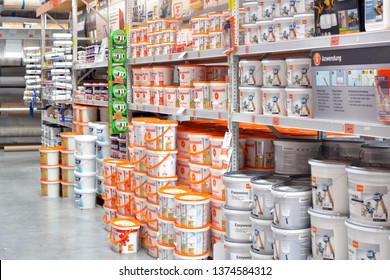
20, 131
12, 82
11, 61
21, 148
17, 5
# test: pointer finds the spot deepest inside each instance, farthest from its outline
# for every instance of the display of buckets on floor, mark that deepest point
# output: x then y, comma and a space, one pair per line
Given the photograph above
192, 210
238, 225
192, 241
160, 135
124, 174
109, 169
166, 197
237, 250
85, 199
109, 215
165, 252
262, 237
124, 235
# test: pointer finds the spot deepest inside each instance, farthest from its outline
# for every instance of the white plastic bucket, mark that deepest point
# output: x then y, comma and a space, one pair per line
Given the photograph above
299, 102
165, 252
190, 73
143, 234
161, 135
216, 147
139, 158
250, 100
215, 38
219, 95
328, 236
218, 190
68, 143
284, 29
291, 244
367, 242
151, 215
67, 158
109, 195
85, 180
191, 241
99, 167
151, 239
166, 200
138, 185
85, 145
163, 75
274, 72
250, 8
124, 235
166, 231
85, 199
291, 200
139, 131
251, 33
186, 96
266, 31
192, 210
67, 189
199, 148
146, 74
259, 153
216, 20
50, 173
257, 256
183, 170
49, 155
87, 114
237, 250
266, 10
137, 75
369, 195
99, 184
238, 225
298, 72
217, 217
330, 186
274, 101
200, 24
140, 208
153, 184
262, 203
292, 155
67, 174
304, 26
216, 236
217, 73
201, 41
183, 141
124, 176
172, 97
50, 189
199, 177
285, 8
262, 238
180, 256
103, 150
251, 72
342, 148
202, 95
241, 152
108, 216
124, 203
85, 164
161, 163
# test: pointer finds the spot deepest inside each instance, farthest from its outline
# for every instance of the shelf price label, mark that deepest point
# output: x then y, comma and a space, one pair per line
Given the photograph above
334, 41
349, 128
275, 121
253, 118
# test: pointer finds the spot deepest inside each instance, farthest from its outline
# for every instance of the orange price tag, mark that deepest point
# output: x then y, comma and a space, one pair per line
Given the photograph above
275, 121
219, 115
349, 128
334, 41
158, 109
118, 80
170, 57
117, 116
253, 118
198, 54
194, 113
154, 59
246, 49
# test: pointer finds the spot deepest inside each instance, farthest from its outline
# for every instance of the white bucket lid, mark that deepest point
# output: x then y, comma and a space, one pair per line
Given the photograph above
292, 189
326, 215
250, 3
290, 232
329, 163
85, 138
249, 88
266, 182
236, 244
258, 221
243, 176
361, 227
163, 220
273, 61
372, 171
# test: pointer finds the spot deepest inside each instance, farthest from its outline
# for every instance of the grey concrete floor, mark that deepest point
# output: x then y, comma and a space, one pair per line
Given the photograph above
37, 228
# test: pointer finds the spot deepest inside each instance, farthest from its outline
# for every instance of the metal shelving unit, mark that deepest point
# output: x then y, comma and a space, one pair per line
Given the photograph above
53, 121
98, 103
102, 64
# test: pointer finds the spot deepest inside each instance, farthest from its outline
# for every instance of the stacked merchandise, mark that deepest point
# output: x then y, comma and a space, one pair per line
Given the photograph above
50, 171
118, 146
51, 135
278, 20
93, 53
82, 115
32, 60
68, 163
92, 91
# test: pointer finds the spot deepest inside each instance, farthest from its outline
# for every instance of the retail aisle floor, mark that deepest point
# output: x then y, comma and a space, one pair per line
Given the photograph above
33, 227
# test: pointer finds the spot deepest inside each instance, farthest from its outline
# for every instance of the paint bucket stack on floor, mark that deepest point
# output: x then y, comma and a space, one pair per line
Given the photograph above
68, 164
118, 146
82, 115
50, 171
125, 235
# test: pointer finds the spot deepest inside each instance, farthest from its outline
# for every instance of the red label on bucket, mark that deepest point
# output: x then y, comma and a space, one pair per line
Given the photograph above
355, 244
360, 188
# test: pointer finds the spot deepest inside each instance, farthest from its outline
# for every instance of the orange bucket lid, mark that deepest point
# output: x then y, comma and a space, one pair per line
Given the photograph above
173, 190
116, 161
69, 134
50, 149
193, 197
125, 222
157, 121
125, 165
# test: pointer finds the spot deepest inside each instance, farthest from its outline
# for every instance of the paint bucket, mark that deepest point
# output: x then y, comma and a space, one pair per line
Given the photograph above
251, 72
190, 73
50, 155
143, 233
299, 102
201, 41
138, 185
124, 175
216, 236
216, 147
183, 170
199, 148
215, 38
151, 239
192, 210
250, 100
298, 72
238, 188
172, 97
85, 164
161, 163
163, 75
200, 24
50, 173
108, 216
166, 231
237, 250
216, 21
259, 153
262, 238
274, 72
85, 180
251, 33
328, 236
68, 143
274, 101
369, 195
99, 167
250, 8
217, 72
87, 114
376, 153
292, 155
166, 200
218, 190
124, 235
140, 131
165, 252
291, 200
257, 256
85, 145
367, 242
199, 177
67, 174
202, 96
284, 29
67, 189
85, 199
304, 26
266, 31
161, 135
342, 148
191, 241
139, 158
238, 225
84, 128
180, 256
109, 195
99, 184
155, 183
217, 217
50, 189
103, 150
124, 203
67, 158
140, 208
183, 142
266, 10
285, 8
291, 244
186, 97
330, 186
151, 214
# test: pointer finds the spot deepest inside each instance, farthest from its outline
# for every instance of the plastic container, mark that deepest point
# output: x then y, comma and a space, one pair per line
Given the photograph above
266, 31
262, 238
284, 29
108, 216
215, 38
251, 33
161, 163
50, 189
285, 8
140, 208
165, 252
124, 235
202, 95
200, 24
304, 26
67, 174
192, 210
191, 241
218, 190
166, 232
186, 96
138, 183
217, 217
250, 100
298, 72
259, 153
266, 10
163, 75
87, 114
50, 172
216, 21
216, 147
199, 177
274, 72
219, 95
124, 203
376, 15
183, 170
171, 96
161, 135
124, 175
68, 143
151, 215
155, 183
251, 15
85, 164
167, 203
201, 41
342, 148
251, 72
139, 158
291, 244
190, 73
85, 198
199, 148
49, 155
85, 181
238, 225
147, 74
237, 250
299, 102
85, 145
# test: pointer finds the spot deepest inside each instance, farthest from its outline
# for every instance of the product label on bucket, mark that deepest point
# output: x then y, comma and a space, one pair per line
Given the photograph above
322, 241
234, 256
44, 190
242, 227
323, 193
239, 194
363, 251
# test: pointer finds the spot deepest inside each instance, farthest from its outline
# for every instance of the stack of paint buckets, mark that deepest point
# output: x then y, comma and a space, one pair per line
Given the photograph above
68, 163
85, 172
118, 146
50, 171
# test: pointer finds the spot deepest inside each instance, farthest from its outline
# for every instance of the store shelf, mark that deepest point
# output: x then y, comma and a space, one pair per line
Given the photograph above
98, 103
202, 114
91, 65
53, 121
26, 33
177, 57
218, 8
58, 6
366, 129
348, 40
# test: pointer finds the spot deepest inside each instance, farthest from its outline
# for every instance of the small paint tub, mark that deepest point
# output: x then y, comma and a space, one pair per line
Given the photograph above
68, 143
257, 256
251, 15
284, 29
192, 241
251, 72
238, 225
99, 184
124, 174
171, 96
151, 215
84, 128
328, 236
291, 244
237, 250
262, 203
161, 135
108, 216
85, 199
139, 158
298, 72
274, 72
250, 100
376, 153
216, 22
291, 202
304, 26
201, 41
85, 145
50, 189
190, 73
342, 148
167, 202
367, 242
183, 142
123, 203
155, 183
202, 95
217, 217
67, 189
199, 148
286, 8
109, 195
262, 238
266, 10
166, 231
199, 177
85, 180
161, 163
85, 164
147, 74
49, 155
109, 169
251, 34
218, 190
50, 173
183, 170
219, 95
158, 94
165, 252
299, 102
67, 158
266, 31
163, 75
124, 235
102, 131
138, 185
67, 174
169, 36
186, 96
200, 24
140, 208
139, 131
151, 238
192, 210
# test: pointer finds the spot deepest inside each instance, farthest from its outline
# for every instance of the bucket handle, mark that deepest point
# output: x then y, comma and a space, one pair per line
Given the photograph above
158, 137
123, 238
197, 182
198, 153
243, 149
107, 176
123, 205
105, 220
138, 187
104, 197
138, 161
158, 164
124, 181
149, 220
139, 212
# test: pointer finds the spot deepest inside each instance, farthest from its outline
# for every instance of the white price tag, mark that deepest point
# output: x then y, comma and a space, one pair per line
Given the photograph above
226, 146
180, 111
182, 55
